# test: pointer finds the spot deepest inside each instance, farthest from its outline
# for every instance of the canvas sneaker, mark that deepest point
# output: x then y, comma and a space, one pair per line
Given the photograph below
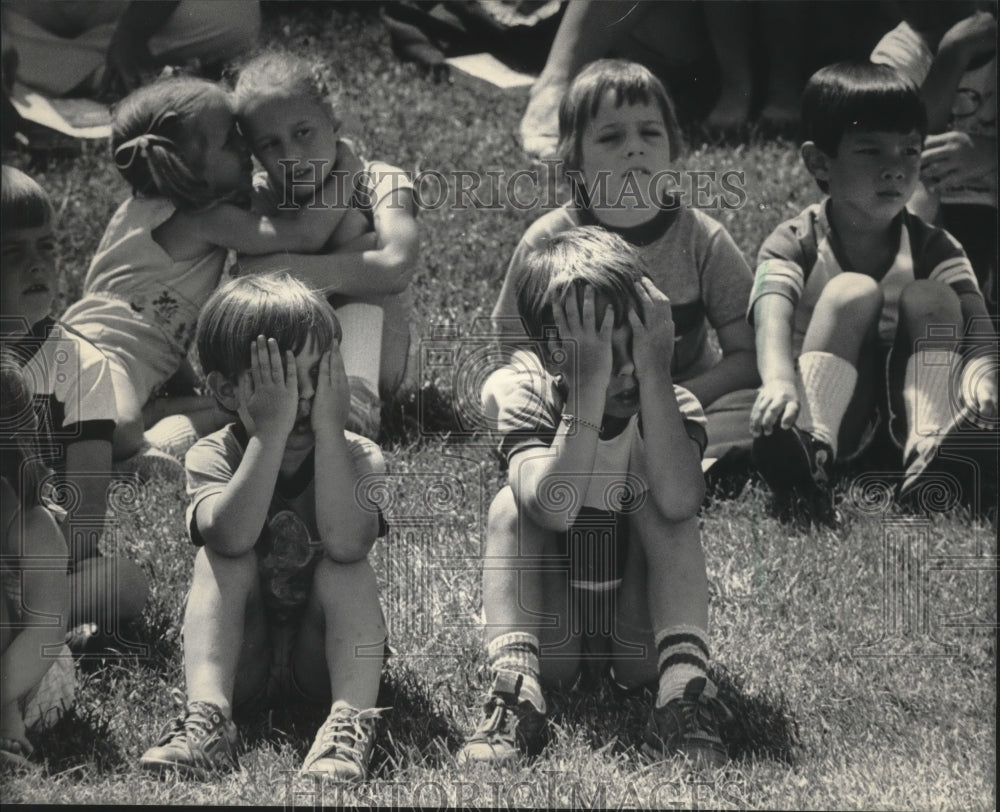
343, 745
690, 726
789, 459
510, 726
199, 742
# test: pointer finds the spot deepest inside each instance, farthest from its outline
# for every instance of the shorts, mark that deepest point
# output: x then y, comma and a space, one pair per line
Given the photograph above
596, 546
135, 349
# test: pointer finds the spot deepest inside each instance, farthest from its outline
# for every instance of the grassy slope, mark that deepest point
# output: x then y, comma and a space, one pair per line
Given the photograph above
818, 725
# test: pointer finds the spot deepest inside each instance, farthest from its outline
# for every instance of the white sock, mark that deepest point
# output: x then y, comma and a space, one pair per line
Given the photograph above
517, 652
828, 383
361, 346
927, 394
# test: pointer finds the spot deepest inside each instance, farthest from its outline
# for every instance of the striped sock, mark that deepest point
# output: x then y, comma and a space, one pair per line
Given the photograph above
517, 652
683, 656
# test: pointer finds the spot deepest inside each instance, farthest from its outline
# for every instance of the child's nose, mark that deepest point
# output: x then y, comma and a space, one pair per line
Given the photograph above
895, 171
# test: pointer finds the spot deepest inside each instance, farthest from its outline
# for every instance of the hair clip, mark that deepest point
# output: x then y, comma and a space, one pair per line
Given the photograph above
138, 146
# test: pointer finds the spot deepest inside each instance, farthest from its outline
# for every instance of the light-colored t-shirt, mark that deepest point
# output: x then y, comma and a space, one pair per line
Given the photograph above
691, 258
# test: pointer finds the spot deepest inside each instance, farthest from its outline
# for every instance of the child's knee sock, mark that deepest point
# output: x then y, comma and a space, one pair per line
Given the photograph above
517, 652
927, 394
826, 385
361, 348
683, 656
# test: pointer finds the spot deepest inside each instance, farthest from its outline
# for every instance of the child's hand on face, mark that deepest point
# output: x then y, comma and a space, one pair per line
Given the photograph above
332, 404
269, 395
580, 340
653, 335
777, 404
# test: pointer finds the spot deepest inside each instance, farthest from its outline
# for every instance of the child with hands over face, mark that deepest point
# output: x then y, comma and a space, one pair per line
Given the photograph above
603, 455
283, 604
869, 321
292, 123
621, 149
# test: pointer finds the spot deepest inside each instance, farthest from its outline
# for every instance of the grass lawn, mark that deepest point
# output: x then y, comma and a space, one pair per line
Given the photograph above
860, 661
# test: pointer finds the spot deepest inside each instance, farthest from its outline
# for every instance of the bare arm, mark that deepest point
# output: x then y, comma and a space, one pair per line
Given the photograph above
244, 231
678, 487
571, 457
736, 370
347, 528
231, 521
964, 43
384, 269
777, 403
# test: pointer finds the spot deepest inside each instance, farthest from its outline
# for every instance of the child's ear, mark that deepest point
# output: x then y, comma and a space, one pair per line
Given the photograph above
816, 161
224, 390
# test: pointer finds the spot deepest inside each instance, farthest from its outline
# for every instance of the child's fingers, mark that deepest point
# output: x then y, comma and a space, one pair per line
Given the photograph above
291, 370
278, 374
589, 310
607, 324
559, 317
789, 414
255, 374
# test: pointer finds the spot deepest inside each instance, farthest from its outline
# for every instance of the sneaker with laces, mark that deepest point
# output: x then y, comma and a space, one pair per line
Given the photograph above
197, 743
788, 459
343, 745
510, 726
690, 726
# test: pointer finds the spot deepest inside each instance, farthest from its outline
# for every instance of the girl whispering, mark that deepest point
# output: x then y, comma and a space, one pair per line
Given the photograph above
163, 253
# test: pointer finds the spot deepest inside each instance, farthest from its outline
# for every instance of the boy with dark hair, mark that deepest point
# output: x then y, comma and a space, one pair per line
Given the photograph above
593, 552
860, 307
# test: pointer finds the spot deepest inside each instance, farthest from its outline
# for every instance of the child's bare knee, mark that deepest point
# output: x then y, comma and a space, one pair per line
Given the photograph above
653, 528
928, 298
856, 295
230, 573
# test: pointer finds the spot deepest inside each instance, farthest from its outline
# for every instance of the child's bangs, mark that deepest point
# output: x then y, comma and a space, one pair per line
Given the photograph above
890, 109
25, 203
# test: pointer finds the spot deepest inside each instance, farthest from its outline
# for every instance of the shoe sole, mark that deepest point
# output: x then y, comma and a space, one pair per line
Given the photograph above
163, 768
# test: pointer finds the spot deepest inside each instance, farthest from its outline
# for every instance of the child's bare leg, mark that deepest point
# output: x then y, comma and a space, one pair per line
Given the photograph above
784, 31
395, 343
225, 630
107, 591
12, 734
524, 593
127, 439
663, 601
344, 621
730, 28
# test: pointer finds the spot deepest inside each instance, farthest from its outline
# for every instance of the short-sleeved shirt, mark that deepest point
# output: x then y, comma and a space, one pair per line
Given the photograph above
163, 295
524, 404
802, 255
71, 382
288, 547
973, 110
690, 257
